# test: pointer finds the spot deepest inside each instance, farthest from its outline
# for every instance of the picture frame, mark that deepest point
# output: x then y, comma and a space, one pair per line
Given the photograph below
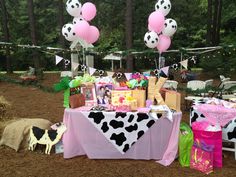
103, 93
90, 95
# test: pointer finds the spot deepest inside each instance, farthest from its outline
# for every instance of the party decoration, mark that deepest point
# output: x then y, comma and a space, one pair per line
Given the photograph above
94, 35
89, 11
164, 43
184, 64
73, 7
58, 59
170, 27
164, 6
151, 39
68, 32
77, 19
156, 21
81, 29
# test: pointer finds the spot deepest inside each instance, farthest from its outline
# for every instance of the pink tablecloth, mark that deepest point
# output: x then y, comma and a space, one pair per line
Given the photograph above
160, 142
216, 114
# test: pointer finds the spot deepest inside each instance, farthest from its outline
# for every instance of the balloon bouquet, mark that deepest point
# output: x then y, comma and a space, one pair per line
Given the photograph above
160, 29
80, 28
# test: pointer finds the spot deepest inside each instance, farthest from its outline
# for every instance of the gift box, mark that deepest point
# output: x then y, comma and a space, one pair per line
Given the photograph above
173, 100
140, 96
76, 100
118, 96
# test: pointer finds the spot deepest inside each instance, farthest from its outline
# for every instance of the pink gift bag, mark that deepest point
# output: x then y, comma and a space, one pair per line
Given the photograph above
202, 158
214, 139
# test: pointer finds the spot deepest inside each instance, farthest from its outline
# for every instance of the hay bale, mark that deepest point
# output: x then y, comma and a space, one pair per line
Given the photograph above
4, 106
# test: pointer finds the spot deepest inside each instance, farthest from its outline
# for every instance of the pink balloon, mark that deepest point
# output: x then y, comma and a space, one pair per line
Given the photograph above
164, 43
156, 21
89, 11
93, 35
81, 29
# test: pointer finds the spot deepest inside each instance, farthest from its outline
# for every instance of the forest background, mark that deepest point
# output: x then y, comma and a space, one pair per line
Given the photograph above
122, 25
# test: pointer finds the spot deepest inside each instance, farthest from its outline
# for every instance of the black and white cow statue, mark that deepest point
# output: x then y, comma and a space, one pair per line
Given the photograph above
45, 137
228, 131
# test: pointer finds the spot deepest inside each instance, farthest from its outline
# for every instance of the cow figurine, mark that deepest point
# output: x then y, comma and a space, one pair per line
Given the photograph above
45, 137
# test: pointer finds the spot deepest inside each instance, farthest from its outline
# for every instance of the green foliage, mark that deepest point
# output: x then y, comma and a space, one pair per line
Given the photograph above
191, 16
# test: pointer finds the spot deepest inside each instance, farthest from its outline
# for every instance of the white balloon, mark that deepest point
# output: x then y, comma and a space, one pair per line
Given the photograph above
170, 27
77, 19
73, 7
164, 6
151, 39
68, 32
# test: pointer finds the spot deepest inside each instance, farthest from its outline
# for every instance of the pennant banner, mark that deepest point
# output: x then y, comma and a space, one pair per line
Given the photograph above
184, 64
58, 59
92, 71
165, 70
75, 66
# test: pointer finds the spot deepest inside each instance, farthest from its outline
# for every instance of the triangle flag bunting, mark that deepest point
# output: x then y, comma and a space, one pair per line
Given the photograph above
128, 76
184, 64
58, 59
110, 73
165, 70
92, 71
75, 66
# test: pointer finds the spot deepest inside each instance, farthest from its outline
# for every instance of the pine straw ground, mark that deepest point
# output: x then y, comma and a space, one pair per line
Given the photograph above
29, 102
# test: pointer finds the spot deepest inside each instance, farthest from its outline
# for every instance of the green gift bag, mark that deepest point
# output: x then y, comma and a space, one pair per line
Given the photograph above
185, 144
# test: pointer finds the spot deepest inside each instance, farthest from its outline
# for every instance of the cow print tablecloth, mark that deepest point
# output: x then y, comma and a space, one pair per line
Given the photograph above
228, 131
121, 129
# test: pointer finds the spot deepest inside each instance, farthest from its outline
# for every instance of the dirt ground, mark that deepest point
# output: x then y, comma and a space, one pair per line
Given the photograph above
29, 102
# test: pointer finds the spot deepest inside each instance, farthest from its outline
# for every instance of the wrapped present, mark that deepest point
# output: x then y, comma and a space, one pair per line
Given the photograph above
140, 96
77, 100
202, 157
119, 96
154, 87
173, 100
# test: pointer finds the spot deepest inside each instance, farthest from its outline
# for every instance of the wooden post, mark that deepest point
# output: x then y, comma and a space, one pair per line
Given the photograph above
74, 59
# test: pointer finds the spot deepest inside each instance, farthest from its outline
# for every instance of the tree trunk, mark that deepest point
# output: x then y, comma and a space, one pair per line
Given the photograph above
61, 21
218, 26
209, 23
217, 22
129, 35
30, 4
6, 34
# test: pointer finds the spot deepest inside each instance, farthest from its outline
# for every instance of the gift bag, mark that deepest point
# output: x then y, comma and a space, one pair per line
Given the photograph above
214, 139
77, 100
140, 96
185, 144
202, 157
173, 100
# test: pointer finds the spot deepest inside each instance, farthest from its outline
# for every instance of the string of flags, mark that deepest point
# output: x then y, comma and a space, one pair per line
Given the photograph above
91, 70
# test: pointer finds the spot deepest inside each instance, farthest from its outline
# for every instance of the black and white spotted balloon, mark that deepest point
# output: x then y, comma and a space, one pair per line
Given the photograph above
68, 32
164, 6
170, 27
151, 39
73, 7
77, 19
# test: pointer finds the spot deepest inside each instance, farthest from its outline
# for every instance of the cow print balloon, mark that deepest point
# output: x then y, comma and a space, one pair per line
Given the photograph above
151, 39
77, 19
73, 7
170, 27
164, 6
68, 32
